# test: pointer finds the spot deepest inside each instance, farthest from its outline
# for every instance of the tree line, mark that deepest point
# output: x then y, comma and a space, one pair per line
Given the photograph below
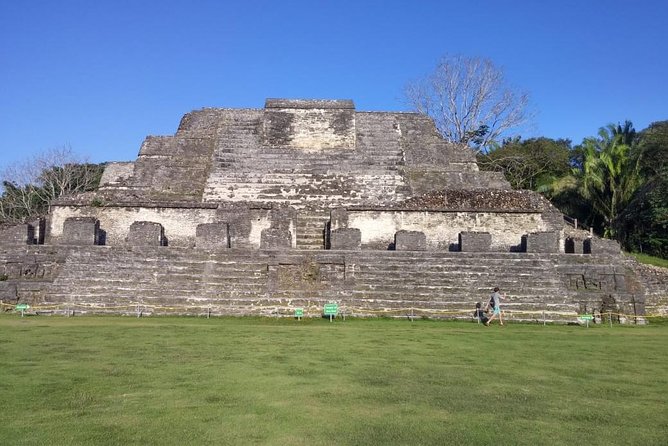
30, 186
615, 182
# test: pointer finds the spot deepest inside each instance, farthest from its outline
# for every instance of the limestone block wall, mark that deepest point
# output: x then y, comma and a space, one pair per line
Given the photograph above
180, 224
213, 236
273, 282
117, 174
310, 125
655, 283
146, 233
297, 151
301, 188
410, 241
18, 235
174, 167
442, 229
542, 242
80, 231
475, 241
346, 239
275, 238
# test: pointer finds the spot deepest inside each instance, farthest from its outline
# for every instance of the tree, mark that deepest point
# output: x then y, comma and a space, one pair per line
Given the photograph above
626, 134
644, 222
30, 187
531, 164
609, 176
470, 102
652, 149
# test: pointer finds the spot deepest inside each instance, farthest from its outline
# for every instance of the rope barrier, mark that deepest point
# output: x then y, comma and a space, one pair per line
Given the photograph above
404, 312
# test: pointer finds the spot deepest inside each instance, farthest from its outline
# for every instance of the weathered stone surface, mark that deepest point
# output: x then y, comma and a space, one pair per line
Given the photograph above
179, 223
8, 292
275, 238
346, 239
442, 228
595, 245
295, 151
311, 126
241, 226
283, 218
312, 175
146, 233
272, 282
18, 235
117, 174
80, 231
212, 236
338, 218
475, 241
410, 241
540, 242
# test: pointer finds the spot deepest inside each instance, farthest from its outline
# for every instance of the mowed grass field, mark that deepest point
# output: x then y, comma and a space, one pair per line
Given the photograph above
182, 381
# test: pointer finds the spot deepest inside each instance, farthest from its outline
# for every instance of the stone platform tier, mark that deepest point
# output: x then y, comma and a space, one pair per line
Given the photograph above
161, 280
295, 152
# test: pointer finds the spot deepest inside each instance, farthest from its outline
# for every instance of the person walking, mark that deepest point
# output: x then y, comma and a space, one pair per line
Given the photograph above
495, 303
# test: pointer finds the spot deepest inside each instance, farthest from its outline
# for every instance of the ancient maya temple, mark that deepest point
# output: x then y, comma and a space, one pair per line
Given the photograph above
307, 202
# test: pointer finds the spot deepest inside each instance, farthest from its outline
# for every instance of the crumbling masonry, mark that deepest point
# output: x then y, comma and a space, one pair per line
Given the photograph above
261, 211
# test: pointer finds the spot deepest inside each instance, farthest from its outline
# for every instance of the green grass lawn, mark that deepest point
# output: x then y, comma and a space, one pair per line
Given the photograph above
650, 260
179, 381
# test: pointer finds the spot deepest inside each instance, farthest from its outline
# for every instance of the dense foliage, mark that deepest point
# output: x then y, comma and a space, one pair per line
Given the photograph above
615, 182
29, 188
531, 164
644, 223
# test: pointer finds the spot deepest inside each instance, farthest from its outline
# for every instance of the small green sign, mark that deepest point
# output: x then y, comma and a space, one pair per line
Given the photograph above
22, 307
331, 309
586, 317
299, 312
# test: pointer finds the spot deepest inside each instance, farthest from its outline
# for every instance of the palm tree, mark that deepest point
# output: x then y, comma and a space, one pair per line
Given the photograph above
609, 176
627, 133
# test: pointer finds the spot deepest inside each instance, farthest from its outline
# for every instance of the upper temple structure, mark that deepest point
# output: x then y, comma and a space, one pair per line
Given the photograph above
305, 202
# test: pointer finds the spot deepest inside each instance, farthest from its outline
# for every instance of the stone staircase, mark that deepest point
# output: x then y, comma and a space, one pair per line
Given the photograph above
365, 283
433, 283
247, 169
379, 140
311, 227
170, 280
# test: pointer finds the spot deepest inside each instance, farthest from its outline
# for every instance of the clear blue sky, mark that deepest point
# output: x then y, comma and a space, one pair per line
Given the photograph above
101, 75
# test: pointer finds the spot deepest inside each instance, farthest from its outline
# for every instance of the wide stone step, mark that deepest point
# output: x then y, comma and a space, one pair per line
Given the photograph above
310, 230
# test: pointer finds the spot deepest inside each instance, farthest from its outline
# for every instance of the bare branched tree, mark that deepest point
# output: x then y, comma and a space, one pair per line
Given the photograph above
470, 102
29, 186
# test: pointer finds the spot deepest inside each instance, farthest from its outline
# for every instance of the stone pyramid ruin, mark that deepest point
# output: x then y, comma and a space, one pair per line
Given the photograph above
307, 202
